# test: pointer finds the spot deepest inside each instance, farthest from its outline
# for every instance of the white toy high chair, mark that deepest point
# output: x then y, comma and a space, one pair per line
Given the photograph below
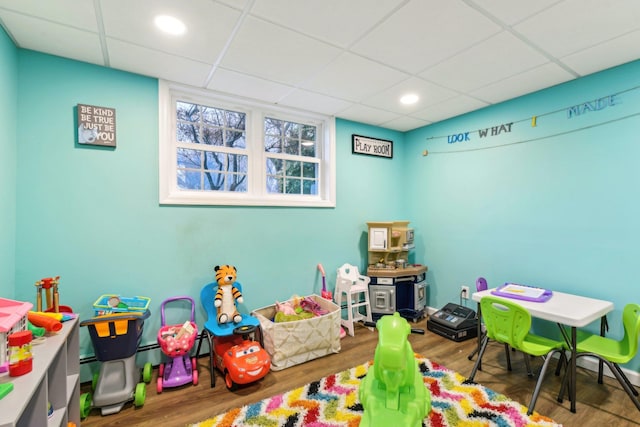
355, 287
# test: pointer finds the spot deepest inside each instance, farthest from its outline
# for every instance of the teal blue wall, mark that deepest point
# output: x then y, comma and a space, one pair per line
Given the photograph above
529, 207
91, 215
8, 142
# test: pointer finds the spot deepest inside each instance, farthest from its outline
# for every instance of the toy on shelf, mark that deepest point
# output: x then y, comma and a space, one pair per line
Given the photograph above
393, 391
227, 295
49, 323
50, 287
176, 342
115, 338
13, 319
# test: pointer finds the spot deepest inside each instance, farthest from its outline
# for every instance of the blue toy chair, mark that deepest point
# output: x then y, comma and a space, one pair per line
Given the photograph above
213, 329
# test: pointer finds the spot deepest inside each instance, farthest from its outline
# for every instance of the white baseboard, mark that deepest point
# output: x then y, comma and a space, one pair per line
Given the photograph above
589, 363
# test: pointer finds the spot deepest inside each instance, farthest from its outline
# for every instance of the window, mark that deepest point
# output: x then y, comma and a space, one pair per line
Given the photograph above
215, 150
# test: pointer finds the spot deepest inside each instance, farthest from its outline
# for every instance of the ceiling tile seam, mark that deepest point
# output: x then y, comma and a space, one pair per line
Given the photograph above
101, 33
128, 42
522, 37
602, 42
376, 25
227, 45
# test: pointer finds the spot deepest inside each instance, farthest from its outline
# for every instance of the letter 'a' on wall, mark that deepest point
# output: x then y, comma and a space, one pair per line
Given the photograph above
96, 125
371, 146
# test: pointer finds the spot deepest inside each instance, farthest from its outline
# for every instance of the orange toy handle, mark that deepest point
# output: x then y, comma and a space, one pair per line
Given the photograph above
47, 322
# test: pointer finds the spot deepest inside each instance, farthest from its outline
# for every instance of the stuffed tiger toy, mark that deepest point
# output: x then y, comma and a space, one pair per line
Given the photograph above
227, 295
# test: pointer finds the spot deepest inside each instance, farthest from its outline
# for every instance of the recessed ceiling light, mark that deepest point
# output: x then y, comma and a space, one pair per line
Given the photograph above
170, 25
409, 99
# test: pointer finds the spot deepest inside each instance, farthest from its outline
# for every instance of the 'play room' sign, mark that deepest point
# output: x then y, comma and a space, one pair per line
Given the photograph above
96, 125
371, 146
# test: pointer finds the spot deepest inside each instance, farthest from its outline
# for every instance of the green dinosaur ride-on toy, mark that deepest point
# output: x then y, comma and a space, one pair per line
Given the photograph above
393, 391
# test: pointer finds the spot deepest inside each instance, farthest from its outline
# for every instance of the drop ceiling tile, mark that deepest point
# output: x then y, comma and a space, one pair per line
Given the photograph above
551, 31
364, 114
533, 80
405, 123
450, 108
153, 63
231, 82
353, 77
492, 60
389, 99
511, 12
425, 32
209, 26
315, 102
75, 13
274, 53
336, 21
617, 51
54, 39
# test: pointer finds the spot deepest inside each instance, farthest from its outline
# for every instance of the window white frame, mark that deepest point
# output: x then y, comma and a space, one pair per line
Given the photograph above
169, 193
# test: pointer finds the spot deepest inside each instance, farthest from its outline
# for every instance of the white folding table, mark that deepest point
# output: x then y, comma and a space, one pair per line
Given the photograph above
570, 310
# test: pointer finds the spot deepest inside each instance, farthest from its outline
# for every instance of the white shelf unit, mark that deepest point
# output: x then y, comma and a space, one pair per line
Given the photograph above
55, 379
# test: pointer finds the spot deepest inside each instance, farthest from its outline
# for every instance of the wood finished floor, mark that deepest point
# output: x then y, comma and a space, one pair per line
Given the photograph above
597, 405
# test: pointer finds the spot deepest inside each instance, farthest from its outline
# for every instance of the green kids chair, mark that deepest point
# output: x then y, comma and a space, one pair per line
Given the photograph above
612, 352
509, 323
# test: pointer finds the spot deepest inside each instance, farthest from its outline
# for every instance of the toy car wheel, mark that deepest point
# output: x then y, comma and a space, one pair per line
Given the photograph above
159, 385
146, 372
161, 370
194, 375
94, 381
85, 405
231, 385
244, 329
194, 364
140, 394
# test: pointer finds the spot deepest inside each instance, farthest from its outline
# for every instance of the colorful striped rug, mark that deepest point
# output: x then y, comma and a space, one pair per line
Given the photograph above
333, 401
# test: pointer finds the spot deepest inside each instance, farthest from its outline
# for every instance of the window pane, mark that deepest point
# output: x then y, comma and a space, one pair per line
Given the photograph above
274, 167
189, 158
308, 149
309, 170
309, 186
236, 182
188, 180
308, 133
293, 186
214, 161
213, 181
212, 136
235, 139
273, 126
187, 111
213, 116
292, 147
238, 163
272, 144
275, 184
187, 132
292, 130
293, 168
235, 120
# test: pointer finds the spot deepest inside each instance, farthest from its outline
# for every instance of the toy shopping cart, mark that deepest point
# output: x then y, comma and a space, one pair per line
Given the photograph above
115, 338
176, 342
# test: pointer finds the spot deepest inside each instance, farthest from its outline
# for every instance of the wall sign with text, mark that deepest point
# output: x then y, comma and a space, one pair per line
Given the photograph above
96, 125
371, 146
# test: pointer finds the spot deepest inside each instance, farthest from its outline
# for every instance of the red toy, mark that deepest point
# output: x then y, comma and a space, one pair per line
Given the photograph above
240, 359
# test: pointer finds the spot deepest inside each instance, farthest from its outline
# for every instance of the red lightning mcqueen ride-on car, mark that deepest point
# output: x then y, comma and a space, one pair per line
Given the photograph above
240, 359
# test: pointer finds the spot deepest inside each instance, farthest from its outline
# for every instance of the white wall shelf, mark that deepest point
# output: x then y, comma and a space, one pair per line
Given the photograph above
55, 379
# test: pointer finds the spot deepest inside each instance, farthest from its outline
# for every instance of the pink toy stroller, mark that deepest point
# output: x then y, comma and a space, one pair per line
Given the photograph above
176, 342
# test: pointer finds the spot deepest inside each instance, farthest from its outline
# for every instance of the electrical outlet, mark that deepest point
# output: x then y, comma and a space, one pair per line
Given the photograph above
464, 292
